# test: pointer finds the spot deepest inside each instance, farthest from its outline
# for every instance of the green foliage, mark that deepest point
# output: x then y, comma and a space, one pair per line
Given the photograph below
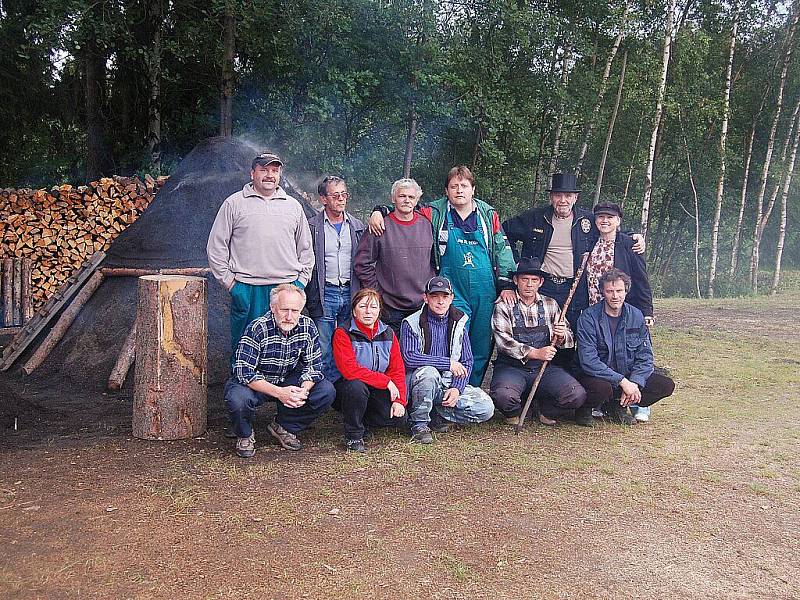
334, 86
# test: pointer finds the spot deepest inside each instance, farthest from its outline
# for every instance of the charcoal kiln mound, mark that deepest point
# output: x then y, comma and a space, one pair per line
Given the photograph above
172, 233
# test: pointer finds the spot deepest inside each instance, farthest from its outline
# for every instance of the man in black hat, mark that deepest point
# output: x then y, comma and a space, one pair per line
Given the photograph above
260, 239
526, 334
438, 357
558, 235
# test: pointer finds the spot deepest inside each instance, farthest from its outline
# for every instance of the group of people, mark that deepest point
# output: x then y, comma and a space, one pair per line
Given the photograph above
403, 313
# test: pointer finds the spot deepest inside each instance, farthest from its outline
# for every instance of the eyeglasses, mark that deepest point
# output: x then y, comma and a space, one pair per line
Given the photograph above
338, 196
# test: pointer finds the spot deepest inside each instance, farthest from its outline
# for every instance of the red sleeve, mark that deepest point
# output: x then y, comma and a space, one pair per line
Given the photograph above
495, 222
427, 212
397, 369
346, 362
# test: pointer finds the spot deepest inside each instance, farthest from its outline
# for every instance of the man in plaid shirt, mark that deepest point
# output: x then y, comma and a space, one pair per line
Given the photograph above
528, 333
278, 358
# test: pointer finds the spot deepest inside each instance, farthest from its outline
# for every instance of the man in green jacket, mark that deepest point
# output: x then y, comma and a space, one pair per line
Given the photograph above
471, 250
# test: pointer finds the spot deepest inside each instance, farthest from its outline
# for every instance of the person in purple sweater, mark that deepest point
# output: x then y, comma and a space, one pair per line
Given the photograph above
436, 350
398, 263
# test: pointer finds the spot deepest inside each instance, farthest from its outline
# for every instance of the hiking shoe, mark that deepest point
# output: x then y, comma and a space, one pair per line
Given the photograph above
545, 420
421, 434
355, 446
438, 423
288, 440
246, 447
642, 414
512, 420
583, 417
619, 414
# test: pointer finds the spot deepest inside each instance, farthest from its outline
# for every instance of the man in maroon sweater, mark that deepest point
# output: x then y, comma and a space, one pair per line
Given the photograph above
398, 263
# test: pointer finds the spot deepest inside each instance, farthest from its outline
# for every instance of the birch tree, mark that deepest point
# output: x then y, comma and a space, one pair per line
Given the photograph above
763, 216
662, 86
726, 111
602, 90
787, 183
611, 123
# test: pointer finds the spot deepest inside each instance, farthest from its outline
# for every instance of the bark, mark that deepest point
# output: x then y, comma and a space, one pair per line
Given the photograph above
170, 398
561, 107
737, 235
633, 164
153, 63
228, 74
696, 215
601, 170
26, 304
537, 180
648, 177
8, 292
762, 217
410, 137
124, 361
63, 323
601, 91
99, 160
723, 136
787, 183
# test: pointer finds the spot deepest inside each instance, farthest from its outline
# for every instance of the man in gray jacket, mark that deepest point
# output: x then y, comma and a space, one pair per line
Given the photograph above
260, 239
335, 234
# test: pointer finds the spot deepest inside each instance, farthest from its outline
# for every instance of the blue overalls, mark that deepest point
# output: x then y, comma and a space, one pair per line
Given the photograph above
467, 265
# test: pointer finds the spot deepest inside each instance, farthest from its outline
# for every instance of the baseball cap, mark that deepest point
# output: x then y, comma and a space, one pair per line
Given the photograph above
438, 285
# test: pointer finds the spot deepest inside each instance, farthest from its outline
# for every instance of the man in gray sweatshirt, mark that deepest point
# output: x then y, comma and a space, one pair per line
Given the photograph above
260, 239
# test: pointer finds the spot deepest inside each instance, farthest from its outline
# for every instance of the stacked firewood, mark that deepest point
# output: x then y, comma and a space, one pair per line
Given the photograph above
61, 228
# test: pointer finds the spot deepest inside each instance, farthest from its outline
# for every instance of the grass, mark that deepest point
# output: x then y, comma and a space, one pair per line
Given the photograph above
473, 515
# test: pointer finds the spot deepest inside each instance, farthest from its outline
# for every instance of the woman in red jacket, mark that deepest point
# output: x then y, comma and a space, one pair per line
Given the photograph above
372, 389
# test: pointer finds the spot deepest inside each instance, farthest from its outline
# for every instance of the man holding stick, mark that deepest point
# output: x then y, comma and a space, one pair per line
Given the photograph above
527, 334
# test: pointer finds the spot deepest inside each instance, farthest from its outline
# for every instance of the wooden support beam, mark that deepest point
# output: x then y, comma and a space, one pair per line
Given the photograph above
63, 323
8, 292
124, 361
128, 272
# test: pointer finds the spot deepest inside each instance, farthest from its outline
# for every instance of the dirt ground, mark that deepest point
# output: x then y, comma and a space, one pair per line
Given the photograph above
702, 502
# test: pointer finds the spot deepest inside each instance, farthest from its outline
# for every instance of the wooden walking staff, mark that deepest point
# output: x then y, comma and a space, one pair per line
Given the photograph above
561, 319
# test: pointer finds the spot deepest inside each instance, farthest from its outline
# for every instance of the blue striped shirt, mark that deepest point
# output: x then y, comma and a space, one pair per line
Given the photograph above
438, 358
267, 353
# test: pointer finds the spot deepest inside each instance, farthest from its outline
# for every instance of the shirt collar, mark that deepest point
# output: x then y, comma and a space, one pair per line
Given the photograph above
249, 191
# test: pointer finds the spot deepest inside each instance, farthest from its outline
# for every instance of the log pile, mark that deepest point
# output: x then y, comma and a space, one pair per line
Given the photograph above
61, 228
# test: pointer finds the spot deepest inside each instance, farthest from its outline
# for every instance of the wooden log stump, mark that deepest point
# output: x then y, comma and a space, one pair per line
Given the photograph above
170, 398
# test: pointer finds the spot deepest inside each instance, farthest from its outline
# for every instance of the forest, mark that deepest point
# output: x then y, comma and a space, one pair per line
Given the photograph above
685, 112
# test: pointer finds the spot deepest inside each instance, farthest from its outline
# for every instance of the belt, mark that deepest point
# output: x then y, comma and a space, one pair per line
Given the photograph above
338, 285
559, 280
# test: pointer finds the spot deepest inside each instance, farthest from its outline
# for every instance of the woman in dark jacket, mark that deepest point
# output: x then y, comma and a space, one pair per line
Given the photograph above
372, 389
613, 249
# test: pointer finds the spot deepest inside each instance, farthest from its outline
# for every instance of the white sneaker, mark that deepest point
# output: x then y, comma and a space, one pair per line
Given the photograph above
642, 414
598, 413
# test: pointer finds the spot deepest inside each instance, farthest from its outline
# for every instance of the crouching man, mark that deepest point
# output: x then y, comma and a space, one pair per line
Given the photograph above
527, 333
438, 357
616, 353
278, 358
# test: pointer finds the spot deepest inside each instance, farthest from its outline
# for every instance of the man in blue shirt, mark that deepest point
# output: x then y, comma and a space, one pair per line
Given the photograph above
616, 354
278, 358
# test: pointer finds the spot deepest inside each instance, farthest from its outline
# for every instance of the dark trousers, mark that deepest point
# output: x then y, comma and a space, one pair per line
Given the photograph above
600, 391
393, 317
242, 401
362, 405
558, 394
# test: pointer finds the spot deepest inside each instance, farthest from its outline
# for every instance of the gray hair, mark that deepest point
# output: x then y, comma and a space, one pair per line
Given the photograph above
285, 287
406, 183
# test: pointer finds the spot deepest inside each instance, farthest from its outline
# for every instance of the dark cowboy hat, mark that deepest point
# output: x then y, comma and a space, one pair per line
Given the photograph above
529, 266
564, 182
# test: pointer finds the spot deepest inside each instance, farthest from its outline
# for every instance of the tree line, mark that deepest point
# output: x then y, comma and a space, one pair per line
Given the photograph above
685, 112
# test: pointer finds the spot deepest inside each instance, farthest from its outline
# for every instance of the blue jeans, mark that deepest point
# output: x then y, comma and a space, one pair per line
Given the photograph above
242, 402
426, 393
336, 309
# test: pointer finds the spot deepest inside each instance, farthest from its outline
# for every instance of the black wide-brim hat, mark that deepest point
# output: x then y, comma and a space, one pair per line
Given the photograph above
529, 266
564, 182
